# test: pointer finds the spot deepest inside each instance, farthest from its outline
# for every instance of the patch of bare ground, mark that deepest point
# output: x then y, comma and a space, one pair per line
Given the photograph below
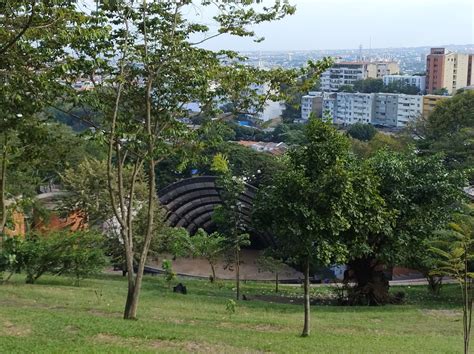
178, 346
442, 313
176, 320
261, 327
72, 329
13, 330
102, 313
198, 347
356, 331
108, 338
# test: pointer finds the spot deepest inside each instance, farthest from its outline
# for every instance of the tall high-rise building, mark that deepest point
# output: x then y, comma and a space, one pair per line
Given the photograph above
446, 70
470, 70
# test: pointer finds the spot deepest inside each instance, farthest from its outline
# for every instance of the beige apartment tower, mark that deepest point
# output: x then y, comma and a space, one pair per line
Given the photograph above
447, 70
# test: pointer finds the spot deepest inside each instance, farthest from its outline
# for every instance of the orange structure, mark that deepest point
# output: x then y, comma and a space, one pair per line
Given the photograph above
74, 221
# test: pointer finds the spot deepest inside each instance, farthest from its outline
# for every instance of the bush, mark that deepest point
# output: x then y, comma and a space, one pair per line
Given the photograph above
363, 132
84, 255
8, 261
75, 253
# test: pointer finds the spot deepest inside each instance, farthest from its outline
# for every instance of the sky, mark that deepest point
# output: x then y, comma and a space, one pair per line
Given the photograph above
345, 24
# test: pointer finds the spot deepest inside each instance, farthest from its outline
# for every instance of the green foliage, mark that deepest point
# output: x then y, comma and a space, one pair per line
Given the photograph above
455, 256
346, 88
220, 164
380, 141
209, 247
291, 134
78, 254
302, 207
8, 256
308, 80
170, 274
369, 85
83, 255
401, 87
230, 307
363, 132
441, 92
87, 190
270, 263
422, 192
450, 130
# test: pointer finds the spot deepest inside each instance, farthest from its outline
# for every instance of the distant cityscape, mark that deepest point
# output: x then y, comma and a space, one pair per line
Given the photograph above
374, 91
411, 60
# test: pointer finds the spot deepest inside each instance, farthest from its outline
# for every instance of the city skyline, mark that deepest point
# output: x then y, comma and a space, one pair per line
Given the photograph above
344, 24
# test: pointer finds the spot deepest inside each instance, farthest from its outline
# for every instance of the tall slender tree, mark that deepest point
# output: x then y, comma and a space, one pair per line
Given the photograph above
150, 70
305, 205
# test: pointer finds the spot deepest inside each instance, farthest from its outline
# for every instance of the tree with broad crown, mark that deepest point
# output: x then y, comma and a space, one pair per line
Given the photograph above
417, 196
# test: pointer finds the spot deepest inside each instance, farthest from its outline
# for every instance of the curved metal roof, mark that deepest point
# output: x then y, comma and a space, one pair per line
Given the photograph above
191, 202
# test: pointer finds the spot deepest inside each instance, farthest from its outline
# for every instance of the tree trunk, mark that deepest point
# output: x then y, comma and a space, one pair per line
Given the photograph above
306, 328
237, 272
276, 282
134, 292
371, 285
466, 312
213, 273
434, 284
3, 183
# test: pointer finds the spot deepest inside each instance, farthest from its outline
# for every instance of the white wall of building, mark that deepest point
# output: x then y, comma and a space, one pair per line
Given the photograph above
387, 109
354, 108
410, 108
418, 81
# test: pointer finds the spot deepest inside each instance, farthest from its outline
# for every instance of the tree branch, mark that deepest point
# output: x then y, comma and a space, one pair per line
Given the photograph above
17, 37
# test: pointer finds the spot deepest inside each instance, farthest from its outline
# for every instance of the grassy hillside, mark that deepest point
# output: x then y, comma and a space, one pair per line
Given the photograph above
55, 316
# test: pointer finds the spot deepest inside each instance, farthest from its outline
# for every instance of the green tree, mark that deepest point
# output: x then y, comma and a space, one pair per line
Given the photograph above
455, 253
441, 92
401, 87
37, 44
84, 255
271, 264
449, 130
380, 141
308, 80
361, 131
156, 71
369, 85
208, 246
230, 219
305, 205
78, 254
418, 194
346, 88
170, 274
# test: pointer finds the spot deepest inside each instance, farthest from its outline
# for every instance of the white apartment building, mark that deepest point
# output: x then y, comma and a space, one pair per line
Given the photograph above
386, 109
329, 106
396, 110
354, 108
311, 103
410, 108
346, 73
418, 81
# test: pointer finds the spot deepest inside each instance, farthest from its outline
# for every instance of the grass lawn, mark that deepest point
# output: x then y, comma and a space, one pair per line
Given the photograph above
55, 316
